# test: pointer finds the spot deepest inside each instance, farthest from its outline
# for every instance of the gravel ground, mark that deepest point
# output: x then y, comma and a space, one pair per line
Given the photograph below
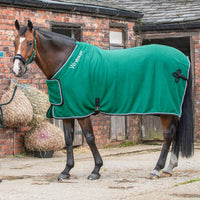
123, 176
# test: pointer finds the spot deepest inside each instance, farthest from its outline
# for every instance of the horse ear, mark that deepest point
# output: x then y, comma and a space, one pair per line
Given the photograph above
17, 26
30, 25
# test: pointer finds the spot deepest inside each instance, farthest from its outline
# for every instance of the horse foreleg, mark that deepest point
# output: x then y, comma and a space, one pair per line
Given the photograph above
173, 159
87, 129
68, 125
169, 130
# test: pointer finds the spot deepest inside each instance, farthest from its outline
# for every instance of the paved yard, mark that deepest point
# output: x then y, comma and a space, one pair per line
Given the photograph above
123, 176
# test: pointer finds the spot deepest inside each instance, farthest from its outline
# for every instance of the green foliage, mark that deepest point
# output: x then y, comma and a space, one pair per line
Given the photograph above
127, 143
187, 182
22, 155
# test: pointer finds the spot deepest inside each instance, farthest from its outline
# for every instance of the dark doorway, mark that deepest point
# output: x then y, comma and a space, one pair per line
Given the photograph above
151, 125
182, 44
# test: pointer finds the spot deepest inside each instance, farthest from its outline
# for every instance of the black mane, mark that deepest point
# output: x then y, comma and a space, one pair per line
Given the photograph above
45, 33
50, 34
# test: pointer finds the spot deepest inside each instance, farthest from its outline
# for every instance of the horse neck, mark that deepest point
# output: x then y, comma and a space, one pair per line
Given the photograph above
52, 52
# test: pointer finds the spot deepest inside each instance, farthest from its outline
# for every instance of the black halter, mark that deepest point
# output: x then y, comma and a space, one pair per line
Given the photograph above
32, 57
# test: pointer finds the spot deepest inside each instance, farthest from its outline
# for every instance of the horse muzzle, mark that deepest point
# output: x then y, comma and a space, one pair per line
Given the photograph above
19, 69
19, 66
19, 73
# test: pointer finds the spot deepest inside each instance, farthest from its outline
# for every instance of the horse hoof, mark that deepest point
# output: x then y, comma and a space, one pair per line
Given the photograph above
63, 177
165, 174
94, 176
154, 174
153, 177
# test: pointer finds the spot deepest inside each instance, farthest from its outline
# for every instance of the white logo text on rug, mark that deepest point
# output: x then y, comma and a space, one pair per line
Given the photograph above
74, 64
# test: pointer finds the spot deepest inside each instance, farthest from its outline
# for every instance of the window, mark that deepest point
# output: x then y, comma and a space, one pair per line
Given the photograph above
70, 30
117, 38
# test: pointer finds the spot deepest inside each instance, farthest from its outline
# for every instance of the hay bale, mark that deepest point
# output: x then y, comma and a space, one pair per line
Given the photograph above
44, 137
39, 101
19, 112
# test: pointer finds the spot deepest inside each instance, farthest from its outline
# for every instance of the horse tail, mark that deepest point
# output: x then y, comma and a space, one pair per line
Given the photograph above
185, 131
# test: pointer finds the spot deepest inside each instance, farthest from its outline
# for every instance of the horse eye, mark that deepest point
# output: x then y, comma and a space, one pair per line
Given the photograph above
29, 43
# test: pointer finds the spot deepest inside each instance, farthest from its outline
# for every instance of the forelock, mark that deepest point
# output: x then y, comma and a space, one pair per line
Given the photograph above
22, 31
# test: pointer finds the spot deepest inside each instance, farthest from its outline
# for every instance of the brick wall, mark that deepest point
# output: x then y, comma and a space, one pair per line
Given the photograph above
95, 31
196, 42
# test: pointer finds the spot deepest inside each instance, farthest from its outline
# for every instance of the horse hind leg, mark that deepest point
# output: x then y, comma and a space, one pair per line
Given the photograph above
86, 126
169, 131
173, 159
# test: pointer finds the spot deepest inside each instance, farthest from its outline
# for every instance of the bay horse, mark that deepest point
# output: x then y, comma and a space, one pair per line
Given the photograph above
50, 51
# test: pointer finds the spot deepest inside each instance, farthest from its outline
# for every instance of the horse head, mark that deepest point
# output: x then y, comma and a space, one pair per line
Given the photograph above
25, 48
50, 54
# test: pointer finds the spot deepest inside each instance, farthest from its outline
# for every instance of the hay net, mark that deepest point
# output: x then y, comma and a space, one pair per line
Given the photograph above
39, 101
16, 109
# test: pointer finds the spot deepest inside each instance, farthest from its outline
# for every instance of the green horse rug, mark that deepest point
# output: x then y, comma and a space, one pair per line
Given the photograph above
149, 79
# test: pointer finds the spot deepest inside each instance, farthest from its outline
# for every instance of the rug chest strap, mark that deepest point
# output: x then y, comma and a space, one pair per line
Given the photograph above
97, 105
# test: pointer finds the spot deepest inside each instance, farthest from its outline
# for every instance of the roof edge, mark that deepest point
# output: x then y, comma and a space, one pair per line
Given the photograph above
73, 7
166, 27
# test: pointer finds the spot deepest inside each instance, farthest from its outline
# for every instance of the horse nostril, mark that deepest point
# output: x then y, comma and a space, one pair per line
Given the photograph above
20, 69
12, 71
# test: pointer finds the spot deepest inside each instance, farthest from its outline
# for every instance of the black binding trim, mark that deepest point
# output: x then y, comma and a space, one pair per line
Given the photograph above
60, 92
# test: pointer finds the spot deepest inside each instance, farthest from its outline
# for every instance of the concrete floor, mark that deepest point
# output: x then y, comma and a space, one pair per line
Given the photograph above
123, 176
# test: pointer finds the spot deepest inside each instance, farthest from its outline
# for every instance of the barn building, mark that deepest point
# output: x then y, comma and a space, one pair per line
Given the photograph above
108, 24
